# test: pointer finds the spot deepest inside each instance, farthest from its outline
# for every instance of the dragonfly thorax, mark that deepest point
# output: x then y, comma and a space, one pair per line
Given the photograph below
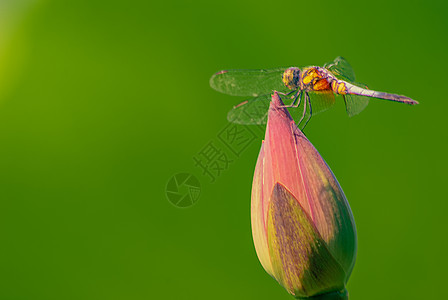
291, 78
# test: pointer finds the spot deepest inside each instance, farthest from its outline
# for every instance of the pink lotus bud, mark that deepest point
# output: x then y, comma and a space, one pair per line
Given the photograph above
303, 229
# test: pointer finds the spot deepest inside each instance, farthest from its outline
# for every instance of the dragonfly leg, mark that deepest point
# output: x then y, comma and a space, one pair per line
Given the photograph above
286, 94
310, 112
304, 110
297, 96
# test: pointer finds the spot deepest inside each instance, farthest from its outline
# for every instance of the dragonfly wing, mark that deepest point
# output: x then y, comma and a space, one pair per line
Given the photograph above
248, 82
341, 69
354, 104
251, 112
321, 101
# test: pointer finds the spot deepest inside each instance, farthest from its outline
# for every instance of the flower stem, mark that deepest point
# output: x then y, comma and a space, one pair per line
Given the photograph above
339, 295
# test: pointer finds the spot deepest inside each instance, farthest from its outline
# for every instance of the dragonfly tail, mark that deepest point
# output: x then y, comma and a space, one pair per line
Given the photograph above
356, 90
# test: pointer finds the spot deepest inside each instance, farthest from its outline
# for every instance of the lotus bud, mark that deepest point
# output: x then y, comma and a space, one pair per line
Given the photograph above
303, 229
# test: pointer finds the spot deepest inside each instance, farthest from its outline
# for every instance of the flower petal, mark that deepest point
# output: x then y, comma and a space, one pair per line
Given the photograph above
257, 217
300, 259
331, 212
281, 157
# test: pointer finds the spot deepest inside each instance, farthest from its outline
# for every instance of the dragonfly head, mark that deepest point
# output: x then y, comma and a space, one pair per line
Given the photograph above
291, 78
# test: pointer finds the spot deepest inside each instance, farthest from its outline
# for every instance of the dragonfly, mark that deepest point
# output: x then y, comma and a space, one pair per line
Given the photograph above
313, 88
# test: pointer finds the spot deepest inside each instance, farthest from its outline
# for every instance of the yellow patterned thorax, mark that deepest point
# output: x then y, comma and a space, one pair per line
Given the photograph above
312, 79
309, 75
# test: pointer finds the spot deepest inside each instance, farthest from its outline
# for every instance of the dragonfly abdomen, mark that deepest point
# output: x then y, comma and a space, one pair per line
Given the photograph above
339, 87
356, 90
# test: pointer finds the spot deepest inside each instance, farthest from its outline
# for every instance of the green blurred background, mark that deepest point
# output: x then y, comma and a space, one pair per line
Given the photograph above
101, 102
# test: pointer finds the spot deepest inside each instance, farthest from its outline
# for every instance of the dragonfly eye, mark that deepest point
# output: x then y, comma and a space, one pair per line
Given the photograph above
291, 78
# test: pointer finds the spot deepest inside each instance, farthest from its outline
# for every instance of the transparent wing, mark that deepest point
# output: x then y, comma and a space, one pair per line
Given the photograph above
321, 101
355, 104
248, 82
251, 112
341, 69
